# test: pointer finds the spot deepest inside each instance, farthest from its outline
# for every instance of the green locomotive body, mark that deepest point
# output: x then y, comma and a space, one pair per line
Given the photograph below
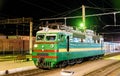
58, 48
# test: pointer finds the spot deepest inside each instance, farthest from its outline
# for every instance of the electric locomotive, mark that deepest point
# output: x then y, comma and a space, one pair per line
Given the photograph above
58, 45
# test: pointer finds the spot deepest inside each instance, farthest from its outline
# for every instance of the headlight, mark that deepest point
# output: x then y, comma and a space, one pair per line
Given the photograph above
52, 45
35, 45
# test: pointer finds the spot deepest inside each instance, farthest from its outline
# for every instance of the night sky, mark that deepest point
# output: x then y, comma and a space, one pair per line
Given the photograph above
38, 9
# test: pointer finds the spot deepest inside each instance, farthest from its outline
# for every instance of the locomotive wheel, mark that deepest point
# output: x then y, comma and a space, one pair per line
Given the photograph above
92, 58
78, 61
101, 56
96, 57
71, 62
40, 63
62, 64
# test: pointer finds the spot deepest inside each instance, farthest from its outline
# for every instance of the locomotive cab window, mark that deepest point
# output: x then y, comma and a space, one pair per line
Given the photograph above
61, 37
40, 37
51, 37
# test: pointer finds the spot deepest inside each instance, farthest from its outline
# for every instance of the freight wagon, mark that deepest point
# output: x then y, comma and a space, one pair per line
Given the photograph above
13, 45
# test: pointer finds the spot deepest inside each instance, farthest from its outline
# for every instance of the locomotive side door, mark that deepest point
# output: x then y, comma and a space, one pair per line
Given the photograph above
63, 46
68, 48
68, 43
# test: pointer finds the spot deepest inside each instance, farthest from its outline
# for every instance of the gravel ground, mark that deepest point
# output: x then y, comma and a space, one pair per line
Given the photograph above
115, 73
81, 69
110, 70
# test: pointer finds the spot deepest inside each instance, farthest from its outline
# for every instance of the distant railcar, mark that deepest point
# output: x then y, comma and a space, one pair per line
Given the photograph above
111, 47
14, 45
60, 47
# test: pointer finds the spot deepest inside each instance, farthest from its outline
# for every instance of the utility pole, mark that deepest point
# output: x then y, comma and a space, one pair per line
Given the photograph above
30, 41
65, 21
114, 19
83, 16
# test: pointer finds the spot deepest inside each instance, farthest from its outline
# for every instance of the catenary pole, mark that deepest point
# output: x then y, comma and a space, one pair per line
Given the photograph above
83, 15
30, 41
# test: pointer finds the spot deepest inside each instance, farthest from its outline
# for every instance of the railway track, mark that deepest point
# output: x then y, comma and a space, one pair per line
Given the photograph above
39, 72
109, 70
115, 72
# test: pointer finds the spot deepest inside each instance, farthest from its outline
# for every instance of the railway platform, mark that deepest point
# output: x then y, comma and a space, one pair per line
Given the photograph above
8, 67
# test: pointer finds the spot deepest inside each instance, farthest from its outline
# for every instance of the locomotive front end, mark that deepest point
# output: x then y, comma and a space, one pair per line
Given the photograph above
45, 48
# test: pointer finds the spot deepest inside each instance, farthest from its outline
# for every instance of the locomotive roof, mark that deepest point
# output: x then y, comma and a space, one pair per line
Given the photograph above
49, 31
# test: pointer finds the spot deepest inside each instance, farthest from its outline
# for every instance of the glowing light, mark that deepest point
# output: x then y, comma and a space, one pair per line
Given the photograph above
35, 45
82, 26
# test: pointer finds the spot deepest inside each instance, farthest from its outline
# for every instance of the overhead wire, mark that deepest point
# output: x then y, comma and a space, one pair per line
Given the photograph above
54, 1
72, 11
96, 7
108, 3
92, 3
81, 16
99, 8
102, 9
30, 3
67, 12
105, 9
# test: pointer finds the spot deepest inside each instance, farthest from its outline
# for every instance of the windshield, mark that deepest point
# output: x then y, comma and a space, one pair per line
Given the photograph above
40, 37
49, 38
